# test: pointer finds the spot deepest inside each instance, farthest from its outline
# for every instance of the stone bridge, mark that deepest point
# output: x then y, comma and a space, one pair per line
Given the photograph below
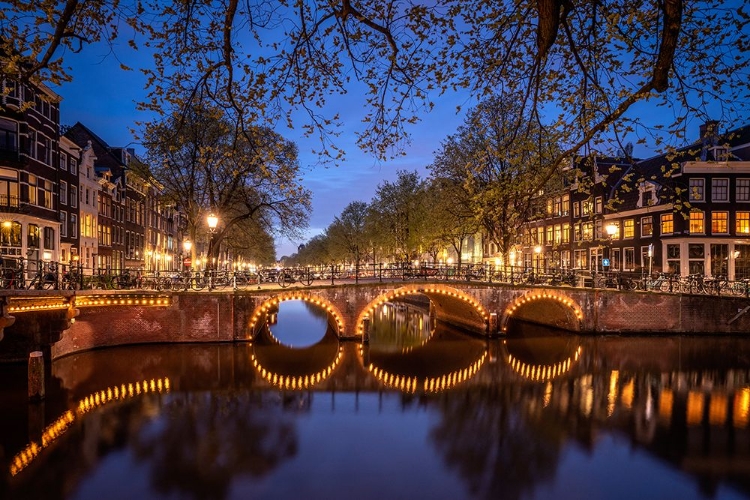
37, 320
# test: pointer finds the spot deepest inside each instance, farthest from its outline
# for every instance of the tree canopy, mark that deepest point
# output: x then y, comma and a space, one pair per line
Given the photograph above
577, 67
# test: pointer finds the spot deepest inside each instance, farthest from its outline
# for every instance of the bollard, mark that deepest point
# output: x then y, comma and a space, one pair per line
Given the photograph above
36, 376
366, 330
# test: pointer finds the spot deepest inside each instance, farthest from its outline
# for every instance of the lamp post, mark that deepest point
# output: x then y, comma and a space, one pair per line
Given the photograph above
187, 260
213, 221
538, 252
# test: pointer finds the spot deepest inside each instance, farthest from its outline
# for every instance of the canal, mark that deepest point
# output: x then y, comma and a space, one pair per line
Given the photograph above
422, 411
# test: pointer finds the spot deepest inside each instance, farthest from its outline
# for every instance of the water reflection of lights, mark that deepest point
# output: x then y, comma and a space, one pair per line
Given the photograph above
537, 372
543, 295
418, 290
296, 382
260, 312
412, 320
97, 399
428, 384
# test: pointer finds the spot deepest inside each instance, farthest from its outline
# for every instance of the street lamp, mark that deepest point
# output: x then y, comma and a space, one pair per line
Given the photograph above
212, 221
538, 252
187, 245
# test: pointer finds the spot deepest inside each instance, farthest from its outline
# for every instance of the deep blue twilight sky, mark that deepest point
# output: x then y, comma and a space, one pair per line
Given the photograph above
103, 97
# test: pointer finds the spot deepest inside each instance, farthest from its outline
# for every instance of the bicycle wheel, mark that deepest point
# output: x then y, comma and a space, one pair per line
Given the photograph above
197, 283
284, 280
306, 278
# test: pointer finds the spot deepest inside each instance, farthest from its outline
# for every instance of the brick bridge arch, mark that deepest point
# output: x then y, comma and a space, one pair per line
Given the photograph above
456, 306
336, 320
557, 310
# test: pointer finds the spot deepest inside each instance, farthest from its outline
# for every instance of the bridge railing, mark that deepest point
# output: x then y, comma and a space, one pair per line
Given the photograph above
19, 274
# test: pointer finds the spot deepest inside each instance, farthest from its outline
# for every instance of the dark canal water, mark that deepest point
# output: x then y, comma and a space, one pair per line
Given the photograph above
423, 412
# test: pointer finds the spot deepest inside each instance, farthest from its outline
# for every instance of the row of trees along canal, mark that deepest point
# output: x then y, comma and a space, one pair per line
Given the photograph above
226, 74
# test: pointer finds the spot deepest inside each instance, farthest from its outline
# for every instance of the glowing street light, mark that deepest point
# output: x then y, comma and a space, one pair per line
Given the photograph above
212, 221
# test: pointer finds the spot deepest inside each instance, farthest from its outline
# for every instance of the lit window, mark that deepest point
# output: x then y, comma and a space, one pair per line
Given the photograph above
743, 223
719, 222
697, 225
628, 229
667, 223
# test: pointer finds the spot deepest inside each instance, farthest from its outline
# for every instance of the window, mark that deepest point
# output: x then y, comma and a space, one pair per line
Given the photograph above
550, 235
741, 262
647, 226
73, 196
44, 150
696, 258
587, 228
8, 136
558, 207
577, 234
719, 259
667, 223
63, 224
9, 187
63, 161
580, 259
719, 222
743, 190
566, 204
74, 166
646, 195
49, 238
63, 193
697, 225
586, 207
598, 205
697, 190
628, 229
558, 234
628, 261
10, 236
73, 226
566, 233
673, 258
719, 190
32, 241
32, 189
550, 208
742, 226
45, 191
576, 209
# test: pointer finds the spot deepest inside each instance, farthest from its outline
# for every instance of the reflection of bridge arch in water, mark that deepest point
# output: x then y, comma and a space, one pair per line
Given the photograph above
546, 307
95, 400
257, 322
442, 297
541, 359
443, 362
295, 368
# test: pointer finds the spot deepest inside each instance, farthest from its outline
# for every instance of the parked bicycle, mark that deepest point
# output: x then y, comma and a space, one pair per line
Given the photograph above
288, 277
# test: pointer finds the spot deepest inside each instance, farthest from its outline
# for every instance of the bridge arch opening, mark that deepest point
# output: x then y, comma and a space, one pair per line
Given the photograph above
544, 307
450, 304
295, 368
258, 318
